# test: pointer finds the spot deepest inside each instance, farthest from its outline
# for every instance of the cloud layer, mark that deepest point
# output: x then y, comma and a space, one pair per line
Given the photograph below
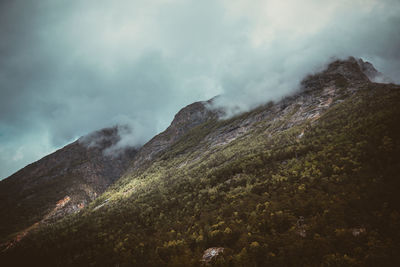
71, 67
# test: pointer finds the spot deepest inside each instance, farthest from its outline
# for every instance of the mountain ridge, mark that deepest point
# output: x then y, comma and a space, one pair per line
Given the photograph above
206, 182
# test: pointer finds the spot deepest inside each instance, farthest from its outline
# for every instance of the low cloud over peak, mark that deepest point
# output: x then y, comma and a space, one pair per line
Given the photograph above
69, 68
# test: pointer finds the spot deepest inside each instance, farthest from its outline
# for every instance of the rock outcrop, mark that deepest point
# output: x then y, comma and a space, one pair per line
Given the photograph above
211, 254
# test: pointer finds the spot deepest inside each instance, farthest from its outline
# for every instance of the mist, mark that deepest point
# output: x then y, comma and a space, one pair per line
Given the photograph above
68, 68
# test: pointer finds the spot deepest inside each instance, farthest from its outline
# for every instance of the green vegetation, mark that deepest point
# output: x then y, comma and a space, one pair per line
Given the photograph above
270, 198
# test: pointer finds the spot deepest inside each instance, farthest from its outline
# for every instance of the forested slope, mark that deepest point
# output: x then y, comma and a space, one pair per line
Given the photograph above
311, 180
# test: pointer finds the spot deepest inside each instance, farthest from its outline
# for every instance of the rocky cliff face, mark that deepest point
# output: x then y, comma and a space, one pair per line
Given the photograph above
61, 183
319, 92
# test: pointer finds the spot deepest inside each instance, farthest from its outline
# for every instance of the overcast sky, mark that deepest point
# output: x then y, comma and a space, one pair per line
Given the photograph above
70, 67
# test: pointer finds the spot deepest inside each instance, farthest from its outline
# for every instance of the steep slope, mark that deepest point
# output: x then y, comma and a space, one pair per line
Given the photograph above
186, 119
311, 180
61, 183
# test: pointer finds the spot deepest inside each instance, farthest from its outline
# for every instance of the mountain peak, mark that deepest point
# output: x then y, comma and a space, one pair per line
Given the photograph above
349, 72
187, 118
351, 69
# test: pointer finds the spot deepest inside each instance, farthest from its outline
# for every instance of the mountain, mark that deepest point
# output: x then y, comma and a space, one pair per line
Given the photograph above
311, 180
61, 183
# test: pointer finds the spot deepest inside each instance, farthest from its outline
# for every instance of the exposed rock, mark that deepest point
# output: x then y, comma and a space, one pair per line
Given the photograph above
372, 74
319, 92
307, 104
61, 203
301, 227
211, 254
58, 212
342, 73
358, 231
102, 204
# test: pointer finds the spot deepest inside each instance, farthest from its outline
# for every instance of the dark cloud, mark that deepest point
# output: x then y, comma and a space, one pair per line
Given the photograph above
71, 67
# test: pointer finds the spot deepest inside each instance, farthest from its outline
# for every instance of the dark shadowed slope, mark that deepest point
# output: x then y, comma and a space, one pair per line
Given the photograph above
61, 183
